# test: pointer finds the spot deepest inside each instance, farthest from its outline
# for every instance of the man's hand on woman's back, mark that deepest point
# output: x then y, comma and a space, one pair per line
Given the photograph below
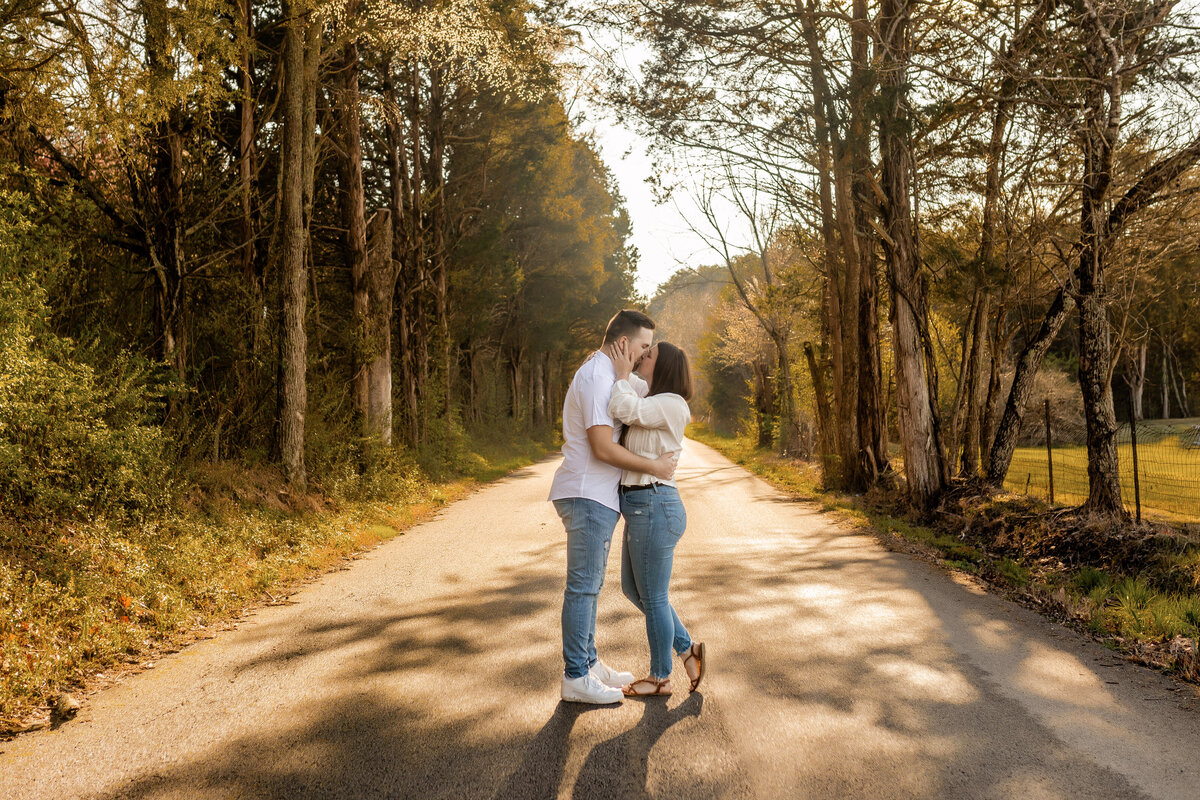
664, 466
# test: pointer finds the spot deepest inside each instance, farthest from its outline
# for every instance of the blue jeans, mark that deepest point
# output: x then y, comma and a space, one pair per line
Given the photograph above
654, 522
590, 527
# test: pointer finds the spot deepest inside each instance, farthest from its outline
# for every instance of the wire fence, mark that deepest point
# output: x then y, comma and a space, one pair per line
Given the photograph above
1165, 485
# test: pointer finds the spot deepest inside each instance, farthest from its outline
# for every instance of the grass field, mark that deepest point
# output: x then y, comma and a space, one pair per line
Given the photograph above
1168, 468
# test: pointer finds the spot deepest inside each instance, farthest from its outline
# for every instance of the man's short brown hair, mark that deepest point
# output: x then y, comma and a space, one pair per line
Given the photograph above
626, 322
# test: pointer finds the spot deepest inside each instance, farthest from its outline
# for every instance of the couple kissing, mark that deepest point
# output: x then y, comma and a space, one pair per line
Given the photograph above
623, 422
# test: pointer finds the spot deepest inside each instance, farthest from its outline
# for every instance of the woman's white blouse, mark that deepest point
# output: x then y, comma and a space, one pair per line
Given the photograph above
656, 426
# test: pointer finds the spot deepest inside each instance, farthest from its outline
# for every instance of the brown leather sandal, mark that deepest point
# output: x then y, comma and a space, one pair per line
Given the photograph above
657, 688
696, 653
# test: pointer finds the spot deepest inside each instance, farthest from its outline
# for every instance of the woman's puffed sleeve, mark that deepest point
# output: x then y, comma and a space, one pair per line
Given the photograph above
658, 411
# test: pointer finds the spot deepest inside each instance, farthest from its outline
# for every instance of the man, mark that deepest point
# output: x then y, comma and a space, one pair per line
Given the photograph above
584, 493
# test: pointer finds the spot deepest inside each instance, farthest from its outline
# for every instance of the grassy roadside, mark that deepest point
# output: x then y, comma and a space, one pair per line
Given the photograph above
83, 601
1137, 592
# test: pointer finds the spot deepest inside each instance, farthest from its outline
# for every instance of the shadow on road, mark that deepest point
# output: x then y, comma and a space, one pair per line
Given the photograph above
830, 676
426, 702
619, 766
541, 769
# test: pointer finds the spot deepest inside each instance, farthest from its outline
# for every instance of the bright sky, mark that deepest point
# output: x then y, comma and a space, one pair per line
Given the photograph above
660, 233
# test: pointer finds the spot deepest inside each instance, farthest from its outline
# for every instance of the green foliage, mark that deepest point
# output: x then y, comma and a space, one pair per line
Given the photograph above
1131, 594
74, 440
1189, 608
1134, 608
545, 259
1090, 579
1013, 572
447, 450
78, 597
1179, 572
728, 396
364, 469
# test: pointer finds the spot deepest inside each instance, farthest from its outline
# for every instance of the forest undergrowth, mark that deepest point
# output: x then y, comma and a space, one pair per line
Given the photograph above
1133, 587
87, 600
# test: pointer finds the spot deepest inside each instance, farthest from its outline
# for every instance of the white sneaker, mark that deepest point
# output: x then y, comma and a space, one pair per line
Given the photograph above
589, 690
609, 676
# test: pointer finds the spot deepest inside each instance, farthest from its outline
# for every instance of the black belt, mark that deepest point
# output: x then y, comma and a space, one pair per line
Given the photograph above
640, 486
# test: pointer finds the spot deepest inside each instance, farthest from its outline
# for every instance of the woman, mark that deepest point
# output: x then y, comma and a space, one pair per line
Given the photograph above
654, 515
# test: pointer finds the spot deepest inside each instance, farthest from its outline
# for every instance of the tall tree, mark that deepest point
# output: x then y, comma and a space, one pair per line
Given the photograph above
916, 376
295, 163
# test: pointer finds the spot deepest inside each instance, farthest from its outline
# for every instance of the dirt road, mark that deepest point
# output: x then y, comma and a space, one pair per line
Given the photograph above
430, 669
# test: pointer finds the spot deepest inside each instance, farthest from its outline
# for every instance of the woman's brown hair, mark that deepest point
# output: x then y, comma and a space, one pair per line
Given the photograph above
671, 372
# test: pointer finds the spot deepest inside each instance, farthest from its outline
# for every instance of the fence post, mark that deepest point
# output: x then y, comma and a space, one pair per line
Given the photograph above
1137, 486
1049, 452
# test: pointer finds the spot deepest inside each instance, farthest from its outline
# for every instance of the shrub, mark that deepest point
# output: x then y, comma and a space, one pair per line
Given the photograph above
1013, 572
446, 451
1189, 611
1132, 594
1179, 572
1089, 579
73, 440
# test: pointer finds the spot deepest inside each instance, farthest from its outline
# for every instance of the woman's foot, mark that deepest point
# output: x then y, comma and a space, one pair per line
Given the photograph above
693, 663
648, 687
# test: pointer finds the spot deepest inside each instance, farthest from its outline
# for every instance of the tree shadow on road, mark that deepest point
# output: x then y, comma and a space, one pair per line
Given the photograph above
420, 702
619, 767
817, 642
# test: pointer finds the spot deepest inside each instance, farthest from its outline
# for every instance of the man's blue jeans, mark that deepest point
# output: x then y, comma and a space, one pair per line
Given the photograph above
590, 527
654, 522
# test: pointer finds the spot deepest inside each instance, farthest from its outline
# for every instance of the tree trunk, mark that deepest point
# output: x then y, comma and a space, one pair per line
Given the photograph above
382, 288
1028, 364
437, 225
517, 411
1166, 388
958, 409
764, 403
1101, 127
419, 339
164, 214
1136, 377
312, 62
826, 435
838, 445
354, 218
1104, 485
252, 273
999, 346
404, 237
974, 407
785, 404
923, 464
863, 279
541, 384
294, 341
1179, 384
979, 421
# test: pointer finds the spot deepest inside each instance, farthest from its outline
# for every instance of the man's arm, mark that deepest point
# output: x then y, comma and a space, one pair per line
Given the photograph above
608, 451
